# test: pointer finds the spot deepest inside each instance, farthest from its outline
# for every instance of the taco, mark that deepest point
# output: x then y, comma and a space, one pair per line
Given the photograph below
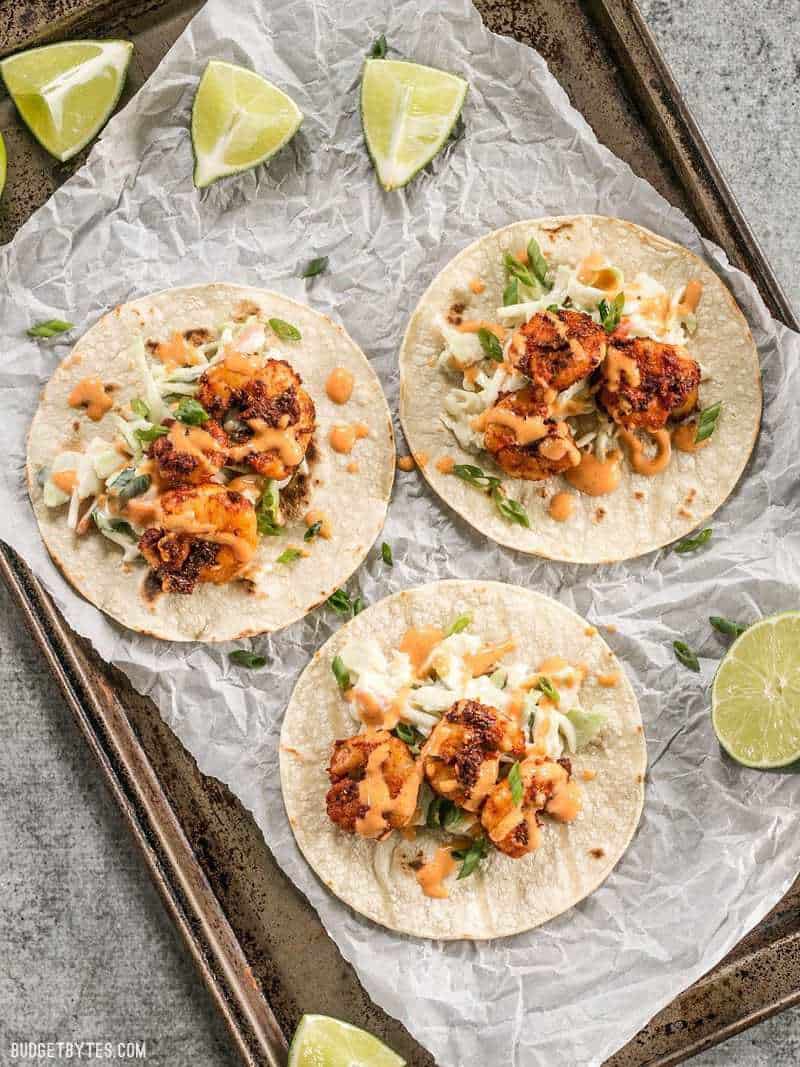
579, 388
211, 462
463, 760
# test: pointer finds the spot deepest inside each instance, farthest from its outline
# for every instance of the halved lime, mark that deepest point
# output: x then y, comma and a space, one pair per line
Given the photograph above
321, 1041
2, 164
408, 111
239, 120
755, 698
66, 92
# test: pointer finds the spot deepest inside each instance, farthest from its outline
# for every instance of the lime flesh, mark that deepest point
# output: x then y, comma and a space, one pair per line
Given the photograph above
408, 111
2, 164
66, 92
755, 698
239, 120
321, 1041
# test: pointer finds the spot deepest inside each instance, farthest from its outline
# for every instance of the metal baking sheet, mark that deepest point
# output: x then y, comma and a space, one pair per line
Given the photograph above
257, 943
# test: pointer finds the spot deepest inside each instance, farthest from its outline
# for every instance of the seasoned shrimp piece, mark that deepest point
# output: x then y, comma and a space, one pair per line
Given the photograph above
218, 384
461, 758
523, 414
546, 786
205, 534
276, 413
645, 382
189, 454
560, 348
390, 760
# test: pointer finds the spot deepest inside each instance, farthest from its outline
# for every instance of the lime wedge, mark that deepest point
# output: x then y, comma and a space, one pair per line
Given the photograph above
239, 120
66, 92
321, 1041
2, 164
755, 698
408, 112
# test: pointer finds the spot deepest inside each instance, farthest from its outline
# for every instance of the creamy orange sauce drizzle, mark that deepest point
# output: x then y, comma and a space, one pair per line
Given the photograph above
588, 775
406, 463
590, 631
314, 516
691, 296
419, 642
373, 713
565, 803
481, 662
473, 325
526, 430
648, 465
238, 364
421, 459
617, 366
352, 467
90, 393
270, 439
556, 448
445, 464
196, 442
552, 665
343, 436
593, 477
683, 438
477, 286
595, 272
608, 681
176, 352
64, 480
431, 875
339, 385
246, 483
144, 510
373, 793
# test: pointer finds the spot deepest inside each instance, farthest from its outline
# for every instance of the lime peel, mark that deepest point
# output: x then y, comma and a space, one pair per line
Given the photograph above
756, 694
322, 1041
239, 120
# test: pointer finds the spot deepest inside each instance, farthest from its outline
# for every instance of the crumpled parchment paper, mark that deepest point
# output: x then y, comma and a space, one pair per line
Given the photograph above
718, 844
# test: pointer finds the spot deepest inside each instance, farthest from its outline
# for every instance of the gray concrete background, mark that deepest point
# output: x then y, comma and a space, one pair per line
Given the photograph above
86, 951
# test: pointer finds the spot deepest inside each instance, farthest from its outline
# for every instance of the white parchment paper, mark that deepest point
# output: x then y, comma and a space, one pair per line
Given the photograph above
718, 845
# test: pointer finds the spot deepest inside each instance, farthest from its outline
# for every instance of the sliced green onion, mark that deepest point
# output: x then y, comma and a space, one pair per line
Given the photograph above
686, 656
379, 48
725, 626
289, 555
468, 472
285, 330
315, 267
511, 293
150, 434
511, 510
472, 856
545, 686
191, 412
386, 554
707, 422
458, 625
268, 510
340, 673
689, 544
242, 657
515, 782
490, 345
537, 262
50, 328
340, 602
138, 407
610, 313
312, 531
